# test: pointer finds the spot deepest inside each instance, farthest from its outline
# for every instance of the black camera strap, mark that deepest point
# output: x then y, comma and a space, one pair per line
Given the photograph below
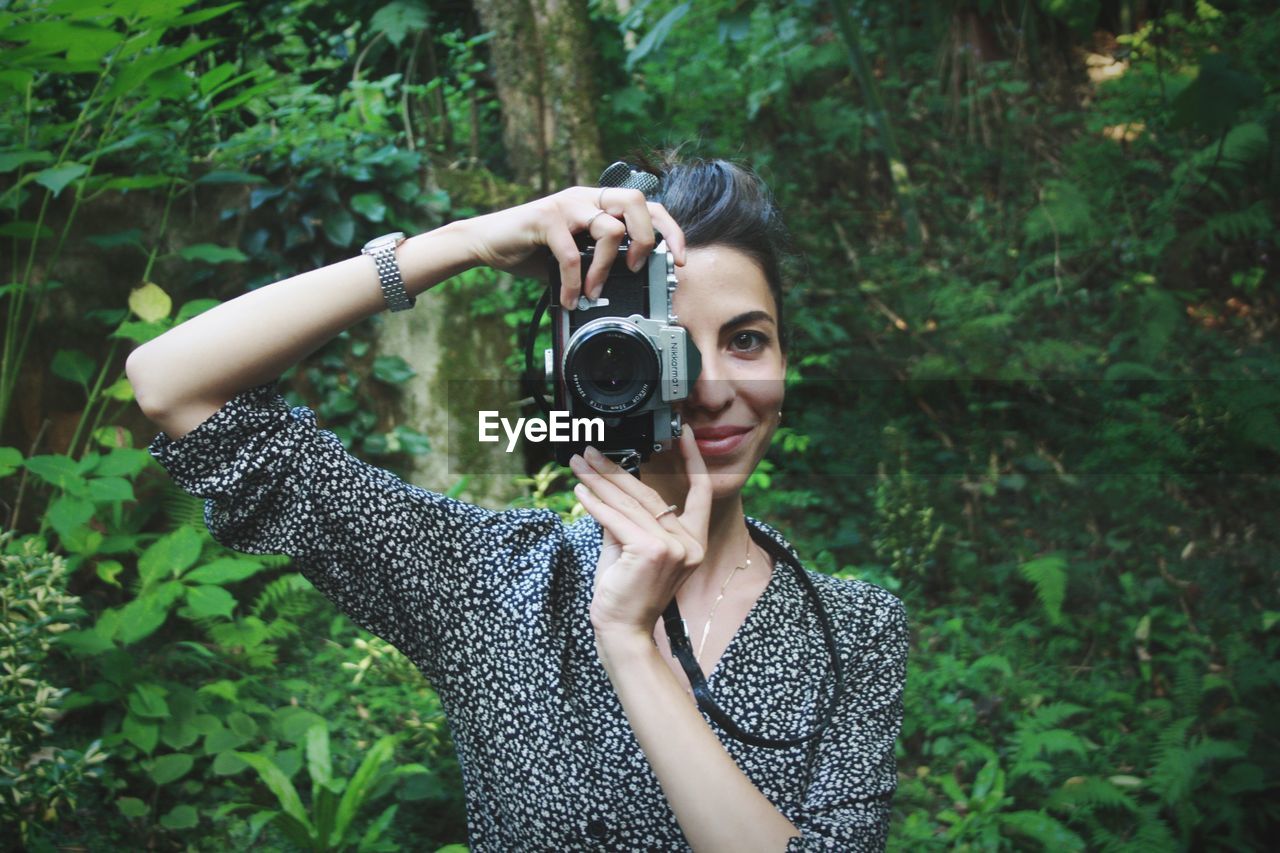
533, 382
682, 651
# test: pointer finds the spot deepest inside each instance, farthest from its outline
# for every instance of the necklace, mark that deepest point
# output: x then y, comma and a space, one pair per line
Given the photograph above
706, 629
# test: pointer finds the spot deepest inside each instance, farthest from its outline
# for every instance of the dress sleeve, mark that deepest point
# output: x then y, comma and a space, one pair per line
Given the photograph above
411, 566
855, 772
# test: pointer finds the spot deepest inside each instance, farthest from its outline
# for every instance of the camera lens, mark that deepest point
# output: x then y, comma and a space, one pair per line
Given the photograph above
612, 368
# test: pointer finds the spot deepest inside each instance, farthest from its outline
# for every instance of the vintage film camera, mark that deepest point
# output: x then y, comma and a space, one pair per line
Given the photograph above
622, 357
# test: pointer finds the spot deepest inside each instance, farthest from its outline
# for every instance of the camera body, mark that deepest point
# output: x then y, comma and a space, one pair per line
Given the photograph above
622, 358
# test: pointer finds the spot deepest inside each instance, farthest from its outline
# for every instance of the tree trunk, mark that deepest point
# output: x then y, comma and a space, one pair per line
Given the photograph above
541, 56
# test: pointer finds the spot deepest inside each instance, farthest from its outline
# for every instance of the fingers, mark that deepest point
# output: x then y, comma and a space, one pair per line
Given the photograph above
560, 241
616, 523
608, 233
646, 509
697, 506
670, 231
609, 483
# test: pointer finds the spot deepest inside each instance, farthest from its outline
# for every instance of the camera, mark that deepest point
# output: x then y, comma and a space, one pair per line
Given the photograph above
621, 358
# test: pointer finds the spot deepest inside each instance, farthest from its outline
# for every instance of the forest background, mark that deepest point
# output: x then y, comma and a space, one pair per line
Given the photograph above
1033, 390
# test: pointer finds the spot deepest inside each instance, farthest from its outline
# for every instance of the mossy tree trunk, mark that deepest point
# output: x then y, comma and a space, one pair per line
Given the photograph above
541, 57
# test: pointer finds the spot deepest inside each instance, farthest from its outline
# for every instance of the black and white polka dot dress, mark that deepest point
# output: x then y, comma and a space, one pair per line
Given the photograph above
493, 608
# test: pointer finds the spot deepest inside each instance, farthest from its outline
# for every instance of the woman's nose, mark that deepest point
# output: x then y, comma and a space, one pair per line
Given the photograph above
712, 391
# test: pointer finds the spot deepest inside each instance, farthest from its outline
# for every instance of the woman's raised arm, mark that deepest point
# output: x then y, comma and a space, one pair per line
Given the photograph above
189, 372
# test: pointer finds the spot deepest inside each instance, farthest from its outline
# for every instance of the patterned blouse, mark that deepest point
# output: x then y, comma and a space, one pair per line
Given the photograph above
493, 608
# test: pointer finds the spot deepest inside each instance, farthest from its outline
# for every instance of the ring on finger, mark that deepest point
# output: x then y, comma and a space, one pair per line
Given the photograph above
666, 512
600, 198
593, 218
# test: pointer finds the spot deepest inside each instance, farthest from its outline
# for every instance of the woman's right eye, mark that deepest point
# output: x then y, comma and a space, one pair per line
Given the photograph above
748, 341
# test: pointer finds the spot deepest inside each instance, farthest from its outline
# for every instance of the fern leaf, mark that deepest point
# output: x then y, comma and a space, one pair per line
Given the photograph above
1049, 716
1089, 792
1049, 574
1042, 828
180, 507
281, 596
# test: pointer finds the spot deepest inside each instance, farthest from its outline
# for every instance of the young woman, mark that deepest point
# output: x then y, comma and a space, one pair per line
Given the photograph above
574, 727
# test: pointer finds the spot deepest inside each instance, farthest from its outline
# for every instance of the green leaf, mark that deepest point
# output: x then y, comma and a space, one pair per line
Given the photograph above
110, 489
136, 182
362, 783
108, 571
59, 471
279, 785
294, 723
68, 513
181, 817
168, 768
143, 735
170, 555
211, 254
392, 369
399, 18
379, 825
222, 176
370, 206
150, 303
195, 307
144, 615
653, 39
128, 237
225, 570
1042, 828
178, 733
84, 643
340, 228
223, 740
25, 230
208, 601
148, 68
123, 462
1049, 574
318, 761
147, 700
140, 332
10, 460
242, 724
57, 178
12, 160
227, 764
131, 807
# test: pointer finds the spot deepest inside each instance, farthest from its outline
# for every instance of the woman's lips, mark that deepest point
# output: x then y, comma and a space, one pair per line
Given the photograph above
720, 441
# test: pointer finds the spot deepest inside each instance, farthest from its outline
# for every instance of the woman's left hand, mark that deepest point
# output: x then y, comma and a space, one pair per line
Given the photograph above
646, 553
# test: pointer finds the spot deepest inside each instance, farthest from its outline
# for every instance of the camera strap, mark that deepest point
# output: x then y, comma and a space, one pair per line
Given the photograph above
682, 651
533, 384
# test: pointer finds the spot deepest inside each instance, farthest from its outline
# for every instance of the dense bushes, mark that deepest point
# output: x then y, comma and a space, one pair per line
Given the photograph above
1034, 392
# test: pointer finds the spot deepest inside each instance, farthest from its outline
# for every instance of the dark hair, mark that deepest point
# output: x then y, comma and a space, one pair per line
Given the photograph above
719, 203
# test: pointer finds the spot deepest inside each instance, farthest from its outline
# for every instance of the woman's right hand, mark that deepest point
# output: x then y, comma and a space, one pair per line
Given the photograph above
510, 239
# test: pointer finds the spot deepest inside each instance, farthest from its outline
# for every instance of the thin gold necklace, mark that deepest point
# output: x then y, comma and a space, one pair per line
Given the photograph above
706, 629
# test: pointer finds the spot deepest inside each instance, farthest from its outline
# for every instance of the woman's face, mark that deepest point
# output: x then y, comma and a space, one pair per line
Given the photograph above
723, 300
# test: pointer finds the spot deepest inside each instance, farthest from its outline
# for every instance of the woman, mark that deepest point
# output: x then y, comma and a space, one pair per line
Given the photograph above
574, 727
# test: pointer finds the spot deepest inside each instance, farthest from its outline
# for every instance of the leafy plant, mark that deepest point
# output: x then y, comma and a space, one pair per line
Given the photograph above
328, 823
38, 782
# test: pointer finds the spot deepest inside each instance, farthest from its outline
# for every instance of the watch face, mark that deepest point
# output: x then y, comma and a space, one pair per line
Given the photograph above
385, 241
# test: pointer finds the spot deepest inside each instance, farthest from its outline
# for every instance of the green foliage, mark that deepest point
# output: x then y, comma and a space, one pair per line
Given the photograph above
1050, 423
39, 783
327, 825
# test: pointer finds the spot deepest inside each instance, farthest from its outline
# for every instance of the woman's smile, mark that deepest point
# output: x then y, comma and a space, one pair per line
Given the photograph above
716, 441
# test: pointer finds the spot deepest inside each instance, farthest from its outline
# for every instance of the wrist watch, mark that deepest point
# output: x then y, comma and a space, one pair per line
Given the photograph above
383, 251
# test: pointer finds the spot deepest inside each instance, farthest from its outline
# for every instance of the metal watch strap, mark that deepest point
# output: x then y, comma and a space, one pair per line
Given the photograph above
383, 251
